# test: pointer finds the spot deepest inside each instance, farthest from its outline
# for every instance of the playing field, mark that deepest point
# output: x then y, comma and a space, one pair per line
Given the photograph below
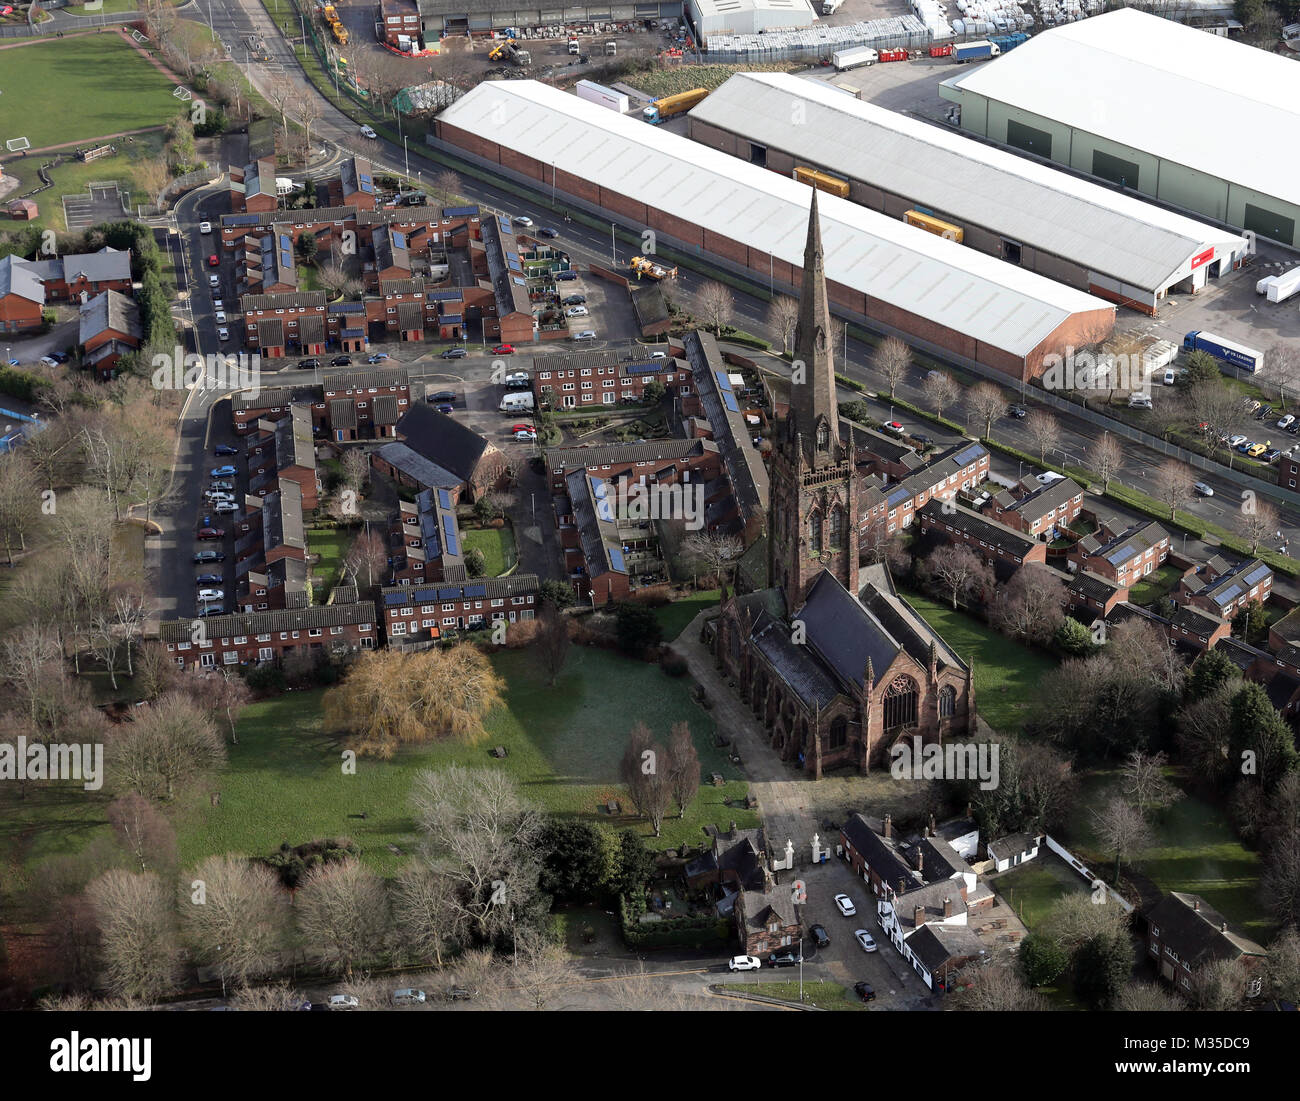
74, 89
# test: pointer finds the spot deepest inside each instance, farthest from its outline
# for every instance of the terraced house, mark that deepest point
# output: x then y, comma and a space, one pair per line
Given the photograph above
1036, 509
1222, 588
1123, 556
417, 616
997, 545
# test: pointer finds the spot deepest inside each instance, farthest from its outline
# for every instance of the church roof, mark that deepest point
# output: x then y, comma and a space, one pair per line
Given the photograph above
802, 672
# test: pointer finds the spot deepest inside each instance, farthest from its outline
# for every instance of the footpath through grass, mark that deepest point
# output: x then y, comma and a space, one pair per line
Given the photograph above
285, 780
1007, 673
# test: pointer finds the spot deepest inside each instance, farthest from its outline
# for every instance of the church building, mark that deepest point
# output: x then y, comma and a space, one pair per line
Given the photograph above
835, 664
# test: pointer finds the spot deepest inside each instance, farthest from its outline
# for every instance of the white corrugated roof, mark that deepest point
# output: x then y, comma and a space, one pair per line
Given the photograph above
1218, 106
720, 9
993, 302
1031, 203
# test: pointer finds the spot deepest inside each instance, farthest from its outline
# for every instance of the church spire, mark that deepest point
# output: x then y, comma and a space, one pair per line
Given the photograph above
813, 410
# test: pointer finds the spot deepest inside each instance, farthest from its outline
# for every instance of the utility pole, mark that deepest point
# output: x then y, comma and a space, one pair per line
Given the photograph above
613, 244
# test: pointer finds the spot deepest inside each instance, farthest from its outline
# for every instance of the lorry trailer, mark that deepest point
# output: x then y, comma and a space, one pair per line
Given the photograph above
832, 185
606, 97
669, 106
964, 52
1224, 350
931, 224
844, 60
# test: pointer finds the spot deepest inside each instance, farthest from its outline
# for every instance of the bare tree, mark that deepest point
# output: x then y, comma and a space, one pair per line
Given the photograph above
448, 185
1282, 968
280, 94
1147, 997
1256, 520
276, 998
1078, 918
540, 975
366, 562
893, 359
306, 109
643, 770
714, 550
223, 694
139, 952
1122, 829
997, 987
235, 917
1030, 604
427, 917
716, 304
552, 641
1284, 367
683, 767
986, 403
783, 315
1106, 458
1203, 734
1212, 405
959, 569
144, 832
343, 915
168, 747
1280, 881
940, 390
1219, 985
1144, 782
20, 503
1173, 485
1044, 430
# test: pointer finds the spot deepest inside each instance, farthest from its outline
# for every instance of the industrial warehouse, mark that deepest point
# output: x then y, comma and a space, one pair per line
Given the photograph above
1112, 245
881, 271
449, 17
1197, 121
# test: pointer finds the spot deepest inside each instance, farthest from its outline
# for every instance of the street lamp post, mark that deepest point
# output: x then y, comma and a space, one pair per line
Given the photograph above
613, 244
800, 968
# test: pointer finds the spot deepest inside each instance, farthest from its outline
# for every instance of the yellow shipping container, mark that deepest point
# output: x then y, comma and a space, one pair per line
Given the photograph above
833, 185
933, 225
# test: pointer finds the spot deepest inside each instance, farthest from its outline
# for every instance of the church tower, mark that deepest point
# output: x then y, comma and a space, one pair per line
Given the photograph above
814, 521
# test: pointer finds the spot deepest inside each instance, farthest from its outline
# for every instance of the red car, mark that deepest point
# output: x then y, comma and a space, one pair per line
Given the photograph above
214, 261
212, 533
504, 350
523, 428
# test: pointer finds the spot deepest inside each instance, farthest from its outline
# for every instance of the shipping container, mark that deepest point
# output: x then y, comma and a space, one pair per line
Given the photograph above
606, 97
1224, 350
1284, 286
941, 51
822, 181
893, 55
933, 225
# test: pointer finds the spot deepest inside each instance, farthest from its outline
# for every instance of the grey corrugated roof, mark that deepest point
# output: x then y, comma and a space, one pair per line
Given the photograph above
412, 463
964, 180
109, 310
17, 277
99, 267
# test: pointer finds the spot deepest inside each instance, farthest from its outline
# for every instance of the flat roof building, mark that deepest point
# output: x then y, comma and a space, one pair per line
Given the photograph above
880, 270
1047, 221
748, 16
1159, 108
447, 17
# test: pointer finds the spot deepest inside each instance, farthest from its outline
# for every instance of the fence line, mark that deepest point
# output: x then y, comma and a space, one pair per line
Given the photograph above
1079, 867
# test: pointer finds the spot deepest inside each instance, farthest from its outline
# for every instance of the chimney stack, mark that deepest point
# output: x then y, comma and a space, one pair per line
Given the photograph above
931, 834
1223, 928
918, 916
1196, 905
889, 827
947, 907
902, 885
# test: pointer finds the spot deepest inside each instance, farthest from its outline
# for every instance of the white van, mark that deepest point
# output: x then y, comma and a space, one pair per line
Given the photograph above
516, 403
1139, 401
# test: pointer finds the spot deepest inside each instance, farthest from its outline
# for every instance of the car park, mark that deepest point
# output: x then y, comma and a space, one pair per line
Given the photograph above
820, 935
865, 939
455, 353
442, 395
341, 361
577, 311
211, 533
865, 991
1018, 411
211, 594
845, 905
368, 132
788, 958
408, 996
308, 364
377, 357
744, 963
209, 579
575, 300
205, 227
586, 334
893, 427
203, 557
1203, 490
225, 449
223, 472
343, 1001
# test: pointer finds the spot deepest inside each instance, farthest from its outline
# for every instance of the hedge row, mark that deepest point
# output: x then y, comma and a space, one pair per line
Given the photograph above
696, 931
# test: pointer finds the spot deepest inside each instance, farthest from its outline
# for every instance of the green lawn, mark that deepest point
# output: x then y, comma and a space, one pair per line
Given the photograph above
1195, 850
74, 89
1007, 674
285, 783
676, 617
103, 7
332, 545
1155, 585
1032, 889
823, 995
497, 545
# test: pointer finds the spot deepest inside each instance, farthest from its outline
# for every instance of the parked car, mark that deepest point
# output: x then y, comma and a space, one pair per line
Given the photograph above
1236, 441
1245, 446
924, 441
1256, 450
565, 276
1287, 421
49, 361
343, 1001
211, 610
218, 497
577, 311
527, 436
865, 939
214, 280
461, 994
744, 963
441, 395
211, 594
214, 261
1203, 490
61, 357
225, 449
1263, 411
209, 579
408, 996
377, 357
1139, 401
211, 533
893, 427
203, 557
225, 508
865, 991
223, 334
845, 905
221, 317
504, 350
445, 407
820, 935
341, 361
1018, 411
455, 353
219, 484
523, 220
309, 364
523, 428
658, 355
205, 227
548, 232
788, 958
368, 132
575, 300
1271, 455
222, 471
586, 334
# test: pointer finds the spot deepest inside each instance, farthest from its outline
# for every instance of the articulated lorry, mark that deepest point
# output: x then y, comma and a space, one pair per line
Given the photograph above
964, 52
852, 59
669, 106
1224, 350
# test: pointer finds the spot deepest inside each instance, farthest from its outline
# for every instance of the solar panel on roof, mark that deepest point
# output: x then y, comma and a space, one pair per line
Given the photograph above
458, 211
241, 220
399, 239
640, 368
723, 382
444, 498
449, 525
452, 546
1256, 575
286, 260
426, 594
286, 241
448, 594
972, 452
616, 560
395, 598
902, 493
1230, 593
476, 590
730, 399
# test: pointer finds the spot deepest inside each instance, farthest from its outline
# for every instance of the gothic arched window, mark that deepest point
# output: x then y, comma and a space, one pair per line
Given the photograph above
839, 736
900, 702
823, 435
815, 533
947, 701
836, 532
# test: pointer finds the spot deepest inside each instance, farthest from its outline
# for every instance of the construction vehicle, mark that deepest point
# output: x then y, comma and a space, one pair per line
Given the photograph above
512, 51
575, 47
669, 106
340, 33
643, 265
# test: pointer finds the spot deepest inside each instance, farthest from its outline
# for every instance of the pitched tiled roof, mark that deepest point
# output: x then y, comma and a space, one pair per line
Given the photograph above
225, 627
993, 532
1197, 931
